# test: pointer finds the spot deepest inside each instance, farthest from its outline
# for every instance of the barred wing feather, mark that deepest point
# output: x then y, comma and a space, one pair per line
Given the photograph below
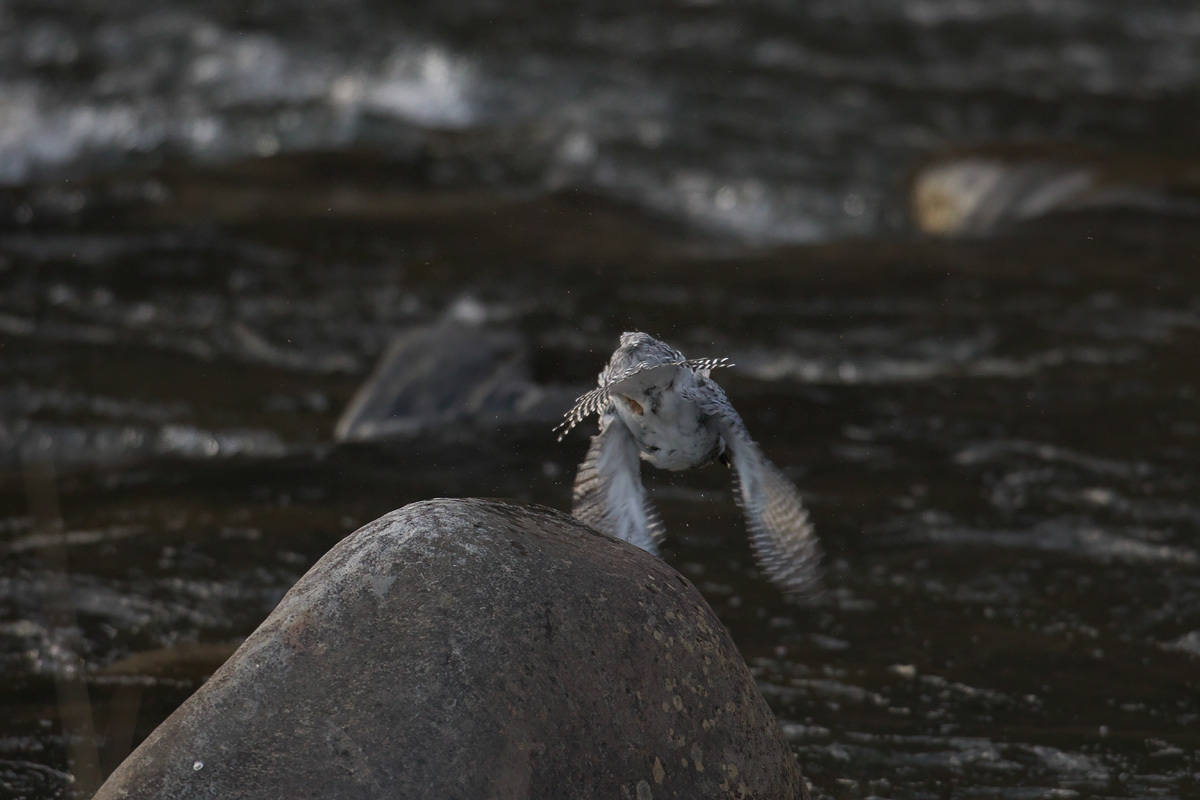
596, 401
780, 531
608, 492
783, 539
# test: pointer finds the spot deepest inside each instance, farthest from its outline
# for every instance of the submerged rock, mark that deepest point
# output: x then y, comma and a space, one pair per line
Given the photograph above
475, 649
444, 374
974, 192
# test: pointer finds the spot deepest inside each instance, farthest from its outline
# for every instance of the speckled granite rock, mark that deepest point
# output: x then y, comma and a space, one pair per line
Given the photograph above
475, 649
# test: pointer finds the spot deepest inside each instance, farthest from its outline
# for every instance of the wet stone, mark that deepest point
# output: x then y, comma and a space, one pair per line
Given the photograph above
448, 374
468, 649
977, 191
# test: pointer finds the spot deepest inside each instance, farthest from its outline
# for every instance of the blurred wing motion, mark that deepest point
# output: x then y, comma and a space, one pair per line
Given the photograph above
783, 539
595, 401
609, 494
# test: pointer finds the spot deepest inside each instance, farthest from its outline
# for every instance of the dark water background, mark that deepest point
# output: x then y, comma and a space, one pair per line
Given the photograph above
216, 216
775, 121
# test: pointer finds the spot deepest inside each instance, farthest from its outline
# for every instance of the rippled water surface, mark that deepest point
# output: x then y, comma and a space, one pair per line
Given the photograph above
997, 440
771, 120
215, 219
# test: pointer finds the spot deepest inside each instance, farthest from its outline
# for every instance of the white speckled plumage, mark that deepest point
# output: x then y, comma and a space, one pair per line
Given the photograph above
655, 404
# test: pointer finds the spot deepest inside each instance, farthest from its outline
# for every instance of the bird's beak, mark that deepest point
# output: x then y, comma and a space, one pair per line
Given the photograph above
634, 405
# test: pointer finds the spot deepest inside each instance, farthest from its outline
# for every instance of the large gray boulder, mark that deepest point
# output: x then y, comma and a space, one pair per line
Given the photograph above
475, 649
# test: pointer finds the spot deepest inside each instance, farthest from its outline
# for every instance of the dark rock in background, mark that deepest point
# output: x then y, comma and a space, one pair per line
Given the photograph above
475, 649
445, 374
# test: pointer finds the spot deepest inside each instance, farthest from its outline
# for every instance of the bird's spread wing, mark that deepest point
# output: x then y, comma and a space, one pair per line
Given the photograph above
781, 534
609, 494
596, 400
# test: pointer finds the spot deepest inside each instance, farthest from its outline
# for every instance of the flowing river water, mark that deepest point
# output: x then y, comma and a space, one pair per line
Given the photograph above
216, 220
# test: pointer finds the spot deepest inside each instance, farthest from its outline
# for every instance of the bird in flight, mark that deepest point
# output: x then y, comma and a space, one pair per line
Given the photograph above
655, 404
